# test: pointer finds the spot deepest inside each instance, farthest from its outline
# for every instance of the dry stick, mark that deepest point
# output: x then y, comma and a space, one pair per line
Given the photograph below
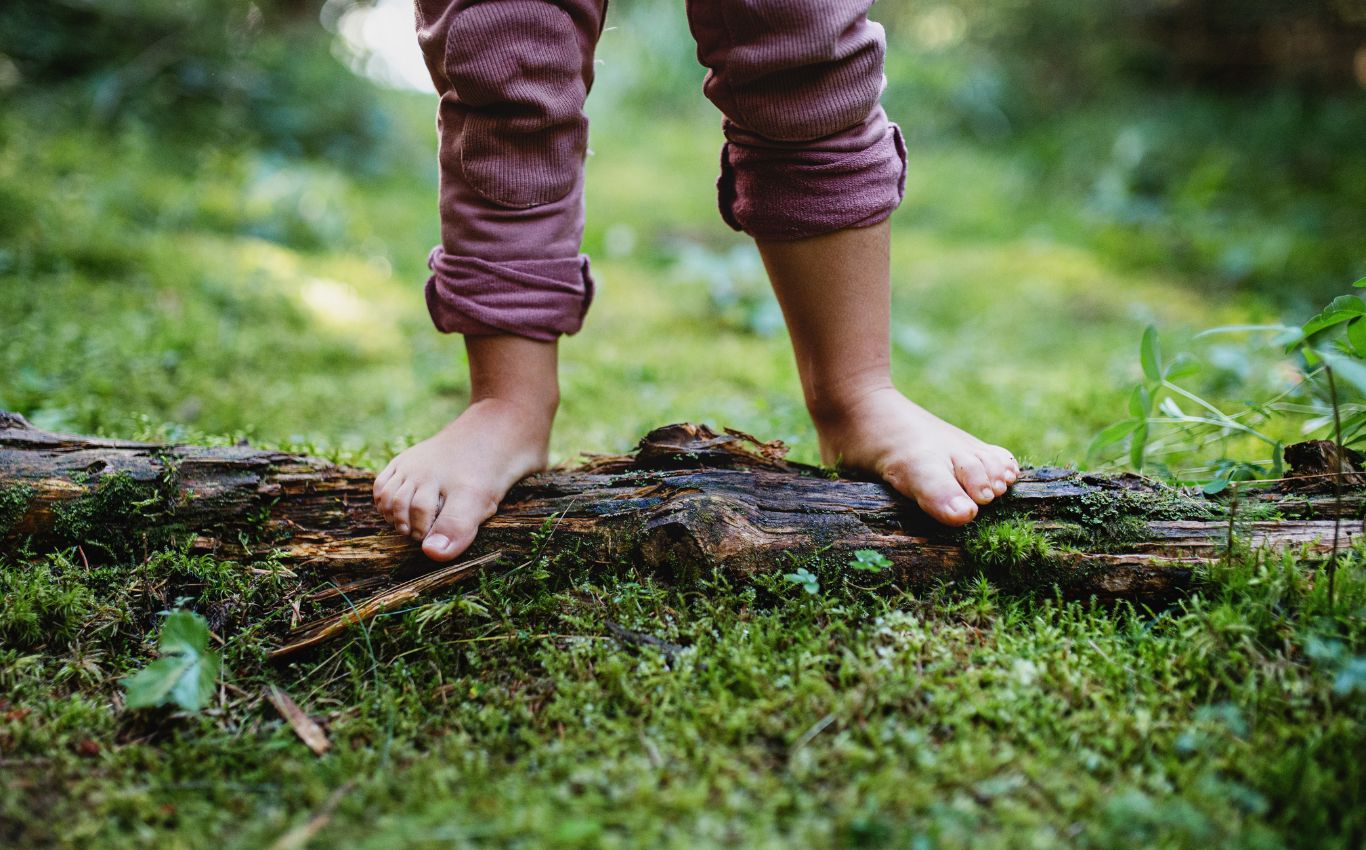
304, 726
393, 597
1337, 481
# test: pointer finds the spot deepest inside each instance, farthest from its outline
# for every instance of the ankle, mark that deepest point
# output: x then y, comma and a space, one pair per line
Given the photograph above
513, 375
836, 403
535, 409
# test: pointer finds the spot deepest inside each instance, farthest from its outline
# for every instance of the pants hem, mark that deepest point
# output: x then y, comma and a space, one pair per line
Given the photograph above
536, 299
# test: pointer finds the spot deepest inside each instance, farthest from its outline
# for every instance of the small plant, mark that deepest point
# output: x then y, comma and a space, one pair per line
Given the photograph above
805, 579
869, 561
1167, 418
186, 672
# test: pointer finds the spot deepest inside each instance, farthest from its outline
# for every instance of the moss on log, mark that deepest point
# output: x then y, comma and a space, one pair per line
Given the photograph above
688, 499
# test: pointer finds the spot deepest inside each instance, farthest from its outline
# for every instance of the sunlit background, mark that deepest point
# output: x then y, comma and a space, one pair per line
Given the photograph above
214, 217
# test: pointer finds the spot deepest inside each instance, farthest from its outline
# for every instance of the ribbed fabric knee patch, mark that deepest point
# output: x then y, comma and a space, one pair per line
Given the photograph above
518, 71
796, 70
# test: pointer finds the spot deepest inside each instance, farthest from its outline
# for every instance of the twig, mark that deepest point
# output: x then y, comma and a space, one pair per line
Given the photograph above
389, 598
304, 726
635, 638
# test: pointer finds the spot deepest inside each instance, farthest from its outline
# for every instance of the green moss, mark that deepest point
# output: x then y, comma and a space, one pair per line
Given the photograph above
14, 502
1108, 519
42, 604
120, 515
1021, 557
1010, 544
1095, 537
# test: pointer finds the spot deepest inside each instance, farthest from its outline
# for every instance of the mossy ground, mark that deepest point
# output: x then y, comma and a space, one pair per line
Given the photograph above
511, 715
187, 291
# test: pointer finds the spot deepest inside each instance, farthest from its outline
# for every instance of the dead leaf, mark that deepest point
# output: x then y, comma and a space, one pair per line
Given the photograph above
304, 726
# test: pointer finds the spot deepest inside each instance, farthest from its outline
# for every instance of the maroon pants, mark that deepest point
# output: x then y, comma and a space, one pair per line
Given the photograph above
808, 148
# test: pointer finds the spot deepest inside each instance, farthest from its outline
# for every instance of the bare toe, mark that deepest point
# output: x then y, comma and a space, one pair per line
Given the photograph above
383, 478
972, 475
996, 471
398, 506
455, 527
934, 489
423, 509
384, 499
1011, 464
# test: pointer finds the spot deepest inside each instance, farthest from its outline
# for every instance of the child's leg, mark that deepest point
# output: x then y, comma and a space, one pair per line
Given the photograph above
835, 294
812, 169
512, 75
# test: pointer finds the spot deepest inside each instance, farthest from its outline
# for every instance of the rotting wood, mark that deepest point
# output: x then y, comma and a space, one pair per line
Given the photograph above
687, 500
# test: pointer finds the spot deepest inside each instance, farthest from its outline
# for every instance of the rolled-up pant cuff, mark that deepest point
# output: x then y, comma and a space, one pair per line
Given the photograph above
536, 299
794, 193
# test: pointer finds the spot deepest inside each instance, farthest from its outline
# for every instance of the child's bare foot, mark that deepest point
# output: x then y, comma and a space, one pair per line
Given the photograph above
835, 291
440, 490
947, 471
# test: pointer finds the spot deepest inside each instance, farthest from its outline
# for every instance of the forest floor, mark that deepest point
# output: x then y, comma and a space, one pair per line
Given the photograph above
201, 294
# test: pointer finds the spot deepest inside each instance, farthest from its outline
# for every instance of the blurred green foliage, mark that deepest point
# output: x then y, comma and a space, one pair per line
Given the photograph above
1220, 138
252, 72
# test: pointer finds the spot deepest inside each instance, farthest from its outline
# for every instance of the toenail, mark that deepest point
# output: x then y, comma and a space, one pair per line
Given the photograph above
438, 541
402, 528
988, 493
960, 505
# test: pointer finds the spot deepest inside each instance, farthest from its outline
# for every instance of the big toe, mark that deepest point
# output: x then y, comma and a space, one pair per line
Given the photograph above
935, 490
454, 528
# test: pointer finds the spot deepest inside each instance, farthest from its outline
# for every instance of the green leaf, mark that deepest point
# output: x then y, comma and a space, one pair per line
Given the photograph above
1360, 283
1356, 335
1182, 366
1344, 308
1350, 370
1140, 403
1352, 425
1139, 445
1346, 304
1216, 485
186, 672
806, 580
1113, 434
1150, 355
869, 560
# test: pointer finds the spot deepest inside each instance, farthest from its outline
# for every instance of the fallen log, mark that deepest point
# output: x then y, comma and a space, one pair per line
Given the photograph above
688, 499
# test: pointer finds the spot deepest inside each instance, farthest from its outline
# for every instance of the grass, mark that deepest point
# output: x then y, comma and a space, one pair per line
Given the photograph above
958, 718
182, 291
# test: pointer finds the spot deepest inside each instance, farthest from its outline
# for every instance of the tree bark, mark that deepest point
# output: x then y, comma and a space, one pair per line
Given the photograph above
687, 500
